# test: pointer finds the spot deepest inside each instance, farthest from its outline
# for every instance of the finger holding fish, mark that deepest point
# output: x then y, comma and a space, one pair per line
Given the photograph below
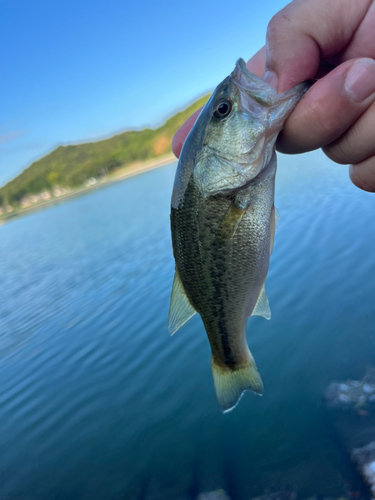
362, 174
328, 114
357, 146
329, 40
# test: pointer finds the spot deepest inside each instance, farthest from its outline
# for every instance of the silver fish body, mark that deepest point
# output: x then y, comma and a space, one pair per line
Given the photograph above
223, 222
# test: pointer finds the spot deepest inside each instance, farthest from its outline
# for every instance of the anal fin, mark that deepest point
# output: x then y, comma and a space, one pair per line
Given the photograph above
262, 307
180, 309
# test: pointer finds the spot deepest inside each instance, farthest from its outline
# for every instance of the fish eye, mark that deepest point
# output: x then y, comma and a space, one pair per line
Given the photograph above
222, 109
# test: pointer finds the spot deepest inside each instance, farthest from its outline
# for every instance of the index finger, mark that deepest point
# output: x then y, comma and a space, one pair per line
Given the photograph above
305, 31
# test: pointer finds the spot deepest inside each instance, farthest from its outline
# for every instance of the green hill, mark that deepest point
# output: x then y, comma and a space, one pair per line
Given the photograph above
69, 166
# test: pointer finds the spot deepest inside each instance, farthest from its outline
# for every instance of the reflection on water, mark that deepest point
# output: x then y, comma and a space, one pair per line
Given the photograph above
97, 401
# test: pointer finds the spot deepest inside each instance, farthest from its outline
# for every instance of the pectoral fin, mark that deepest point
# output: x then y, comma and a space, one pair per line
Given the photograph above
180, 309
230, 223
277, 218
262, 307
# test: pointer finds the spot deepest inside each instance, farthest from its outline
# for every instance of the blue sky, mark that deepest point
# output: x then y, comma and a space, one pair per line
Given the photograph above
75, 71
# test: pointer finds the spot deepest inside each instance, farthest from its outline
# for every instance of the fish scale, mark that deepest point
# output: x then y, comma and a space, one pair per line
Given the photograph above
221, 273
223, 223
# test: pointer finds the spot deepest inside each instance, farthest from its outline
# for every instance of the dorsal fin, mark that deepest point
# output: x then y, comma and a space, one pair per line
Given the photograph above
180, 309
262, 307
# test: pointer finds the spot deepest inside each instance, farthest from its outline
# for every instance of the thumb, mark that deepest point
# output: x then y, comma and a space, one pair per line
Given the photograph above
306, 31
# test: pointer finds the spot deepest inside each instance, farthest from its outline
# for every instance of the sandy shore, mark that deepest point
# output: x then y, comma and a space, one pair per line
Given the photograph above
119, 175
140, 167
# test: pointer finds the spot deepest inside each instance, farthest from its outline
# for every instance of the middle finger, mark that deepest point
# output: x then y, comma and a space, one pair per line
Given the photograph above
357, 143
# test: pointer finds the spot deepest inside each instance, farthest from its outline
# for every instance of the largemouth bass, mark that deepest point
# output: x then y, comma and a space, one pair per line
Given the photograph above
223, 222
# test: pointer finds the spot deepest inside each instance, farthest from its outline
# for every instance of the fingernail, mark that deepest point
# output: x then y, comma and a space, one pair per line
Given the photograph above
270, 77
360, 79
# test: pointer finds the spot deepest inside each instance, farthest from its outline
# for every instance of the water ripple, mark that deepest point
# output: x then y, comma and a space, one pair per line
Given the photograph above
98, 401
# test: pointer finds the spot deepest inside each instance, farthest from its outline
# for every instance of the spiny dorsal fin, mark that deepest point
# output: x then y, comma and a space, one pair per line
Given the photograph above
262, 307
180, 309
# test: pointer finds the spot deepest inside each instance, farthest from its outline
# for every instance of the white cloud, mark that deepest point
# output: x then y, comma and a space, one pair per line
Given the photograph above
10, 136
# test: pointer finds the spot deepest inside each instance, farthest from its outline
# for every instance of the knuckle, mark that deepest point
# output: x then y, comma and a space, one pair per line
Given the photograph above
319, 129
363, 175
273, 24
276, 25
291, 17
339, 151
356, 143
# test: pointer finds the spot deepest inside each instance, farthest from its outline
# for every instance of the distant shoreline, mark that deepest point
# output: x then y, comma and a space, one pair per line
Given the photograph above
119, 175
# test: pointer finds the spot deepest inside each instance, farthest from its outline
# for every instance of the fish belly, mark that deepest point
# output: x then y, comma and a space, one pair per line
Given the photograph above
223, 275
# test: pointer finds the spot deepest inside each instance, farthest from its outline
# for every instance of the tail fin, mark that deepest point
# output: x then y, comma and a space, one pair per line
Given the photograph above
230, 384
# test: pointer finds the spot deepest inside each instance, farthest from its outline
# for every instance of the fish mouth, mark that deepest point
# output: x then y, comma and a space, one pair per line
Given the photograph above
248, 82
240, 67
260, 91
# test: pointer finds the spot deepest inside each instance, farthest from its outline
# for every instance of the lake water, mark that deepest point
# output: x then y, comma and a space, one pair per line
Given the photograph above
97, 401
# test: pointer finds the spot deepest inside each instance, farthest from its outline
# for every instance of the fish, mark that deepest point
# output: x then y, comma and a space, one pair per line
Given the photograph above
223, 222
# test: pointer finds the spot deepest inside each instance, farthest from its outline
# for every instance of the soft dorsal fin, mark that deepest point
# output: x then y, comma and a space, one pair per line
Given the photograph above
180, 309
262, 307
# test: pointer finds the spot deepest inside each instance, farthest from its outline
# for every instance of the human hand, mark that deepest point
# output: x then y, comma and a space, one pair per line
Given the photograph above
333, 41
